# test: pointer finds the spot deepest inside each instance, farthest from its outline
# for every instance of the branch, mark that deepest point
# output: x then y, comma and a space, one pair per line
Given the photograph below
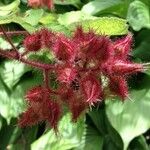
14, 55
46, 78
12, 33
7, 38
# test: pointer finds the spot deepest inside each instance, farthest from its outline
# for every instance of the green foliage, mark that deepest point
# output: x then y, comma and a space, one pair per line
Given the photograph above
107, 26
138, 15
130, 118
8, 10
69, 137
96, 6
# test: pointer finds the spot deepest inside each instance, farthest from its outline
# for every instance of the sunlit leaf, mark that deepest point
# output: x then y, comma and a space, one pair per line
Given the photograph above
11, 71
107, 26
9, 9
33, 16
130, 119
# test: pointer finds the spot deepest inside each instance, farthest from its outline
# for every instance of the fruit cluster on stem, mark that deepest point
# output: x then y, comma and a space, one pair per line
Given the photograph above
88, 68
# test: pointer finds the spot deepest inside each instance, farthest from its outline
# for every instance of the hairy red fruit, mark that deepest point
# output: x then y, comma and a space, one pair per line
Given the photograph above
41, 3
92, 45
75, 102
64, 49
45, 111
35, 94
125, 68
66, 74
100, 48
80, 61
53, 113
118, 85
122, 47
33, 42
66, 93
29, 118
47, 3
79, 34
34, 3
47, 38
119, 67
91, 89
77, 107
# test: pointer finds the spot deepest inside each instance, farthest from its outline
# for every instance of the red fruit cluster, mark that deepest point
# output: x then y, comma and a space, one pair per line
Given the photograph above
82, 63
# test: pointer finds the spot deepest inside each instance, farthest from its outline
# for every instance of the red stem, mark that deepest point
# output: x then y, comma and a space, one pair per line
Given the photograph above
46, 78
7, 38
12, 33
15, 56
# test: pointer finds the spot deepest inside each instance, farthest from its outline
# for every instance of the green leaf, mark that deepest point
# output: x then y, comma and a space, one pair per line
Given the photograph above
0, 122
25, 25
69, 136
6, 133
48, 19
72, 17
9, 9
96, 6
138, 15
111, 138
19, 20
93, 139
142, 44
58, 28
99, 134
15, 138
11, 71
130, 119
107, 26
12, 101
33, 16
139, 143
75, 3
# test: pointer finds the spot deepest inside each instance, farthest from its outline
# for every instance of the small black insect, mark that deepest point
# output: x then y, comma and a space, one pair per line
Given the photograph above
75, 85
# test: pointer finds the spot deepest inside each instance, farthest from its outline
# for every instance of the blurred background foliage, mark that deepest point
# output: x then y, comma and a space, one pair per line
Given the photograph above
113, 125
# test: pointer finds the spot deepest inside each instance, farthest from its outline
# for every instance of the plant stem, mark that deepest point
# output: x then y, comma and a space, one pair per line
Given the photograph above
46, 78
7, 38
14, 56
12, 33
